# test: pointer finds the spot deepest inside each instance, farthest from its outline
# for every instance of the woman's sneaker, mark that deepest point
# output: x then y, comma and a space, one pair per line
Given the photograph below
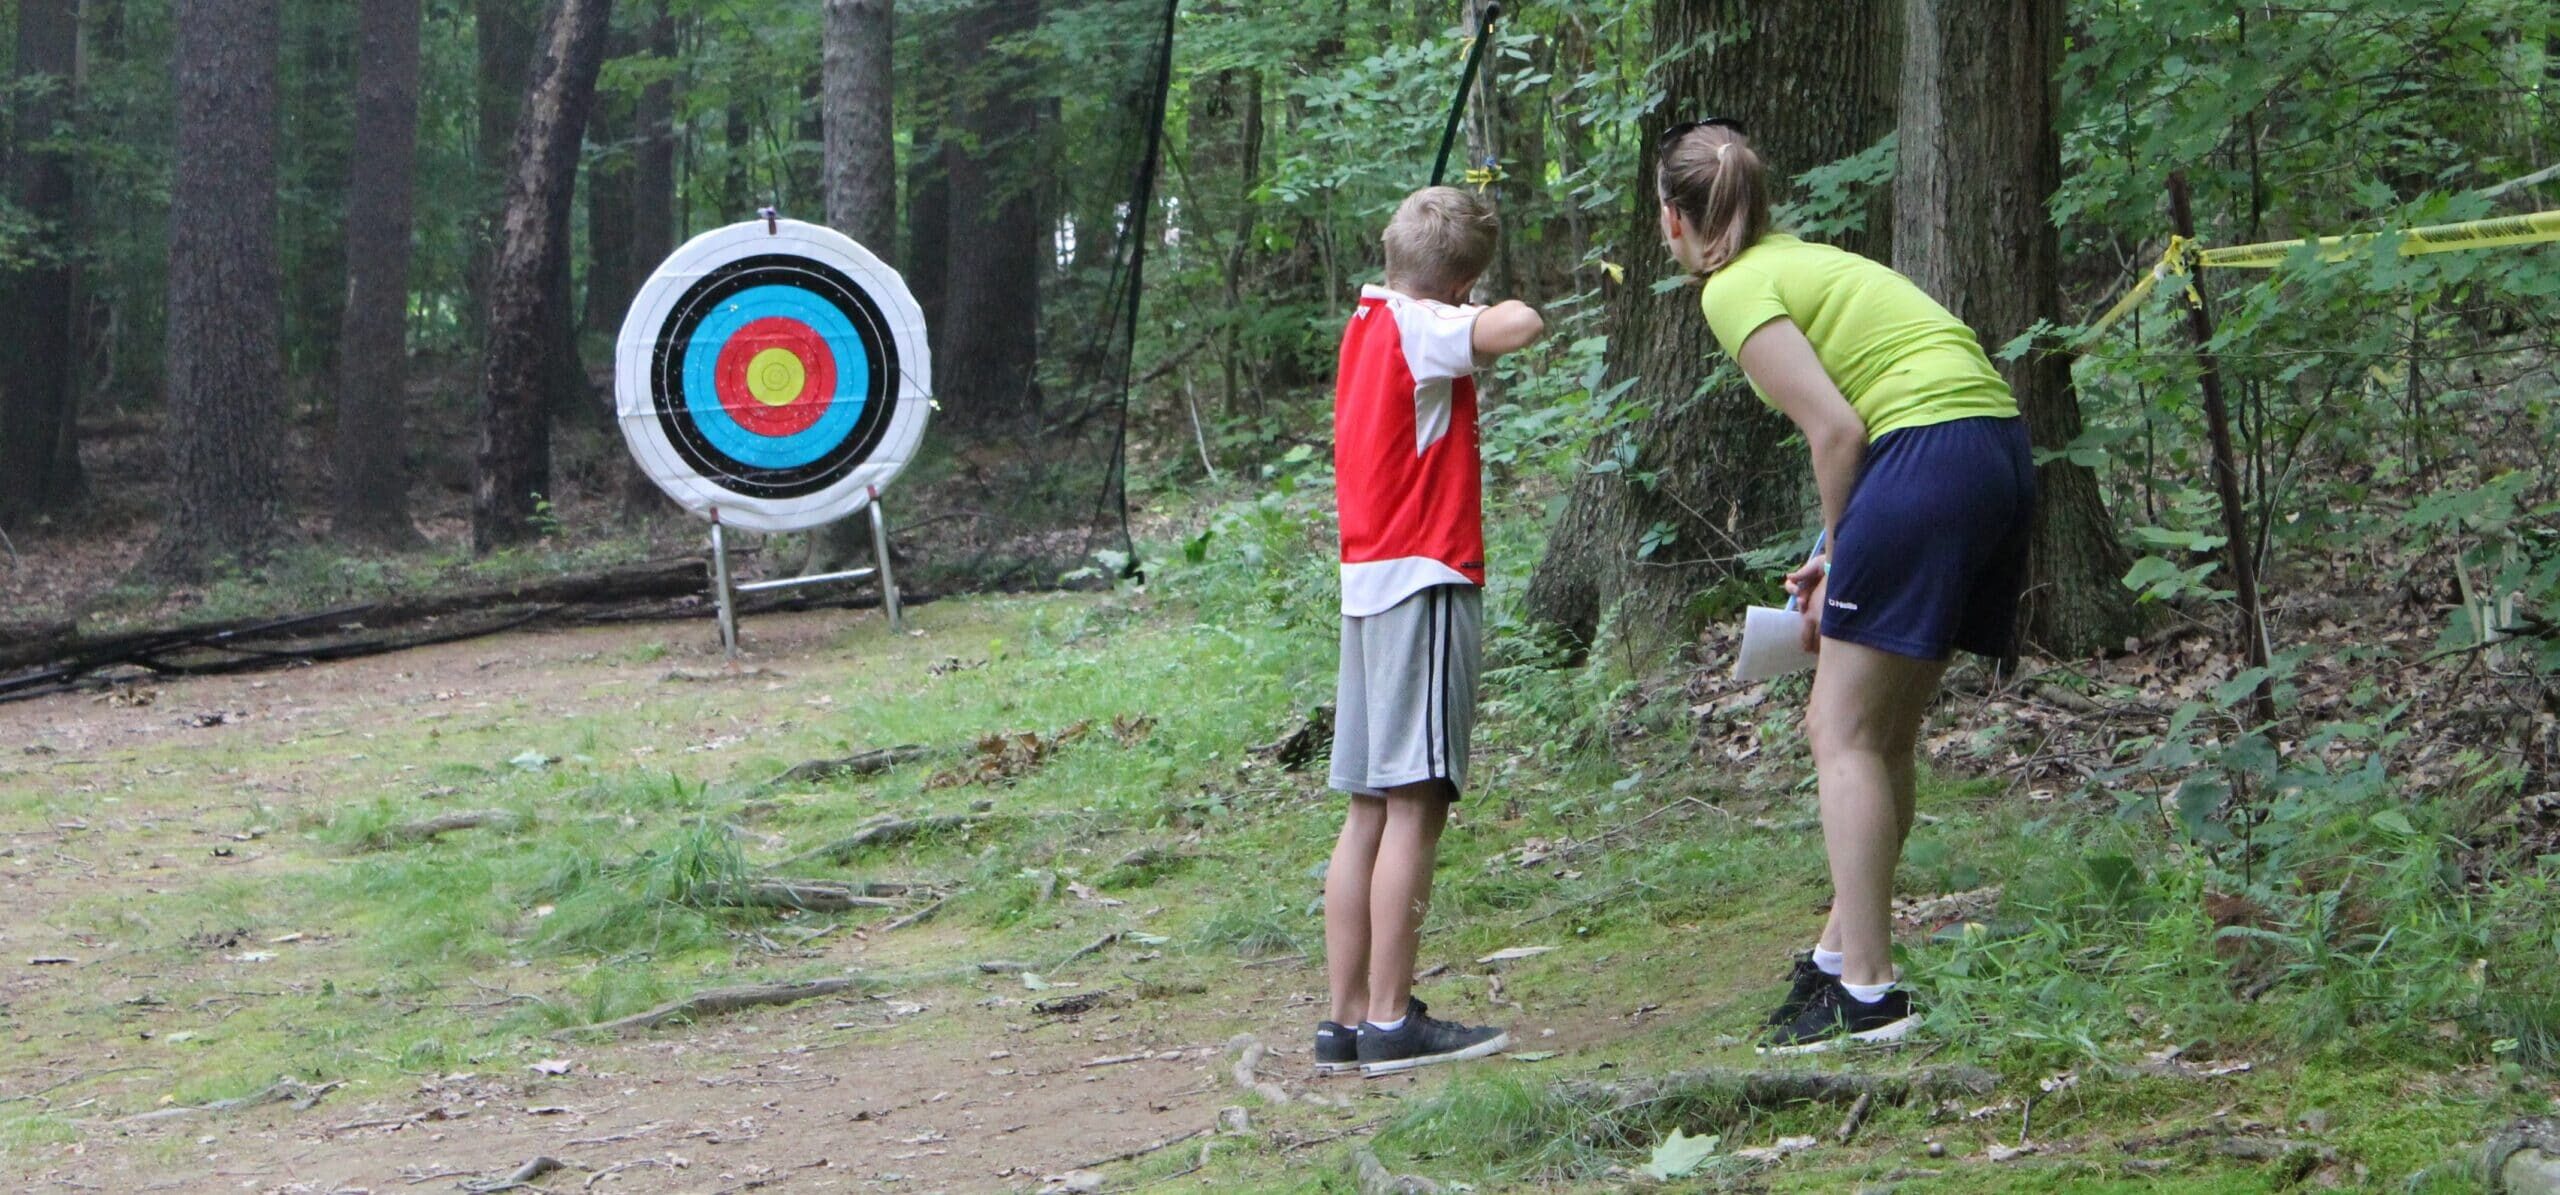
1337, 1049
1805, 980
1421, 1041
1835, 1019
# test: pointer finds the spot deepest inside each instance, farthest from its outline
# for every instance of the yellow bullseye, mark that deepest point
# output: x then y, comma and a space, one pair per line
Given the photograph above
775, 376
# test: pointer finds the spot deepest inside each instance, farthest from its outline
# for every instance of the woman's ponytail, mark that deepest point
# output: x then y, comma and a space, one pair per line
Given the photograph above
1712, 176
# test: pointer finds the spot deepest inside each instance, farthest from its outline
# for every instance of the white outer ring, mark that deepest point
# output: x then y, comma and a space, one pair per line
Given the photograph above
633, 404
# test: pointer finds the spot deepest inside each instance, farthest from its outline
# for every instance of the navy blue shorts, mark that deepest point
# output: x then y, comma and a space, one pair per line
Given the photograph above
1932, 551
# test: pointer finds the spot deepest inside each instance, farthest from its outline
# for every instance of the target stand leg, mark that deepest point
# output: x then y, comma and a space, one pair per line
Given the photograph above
888, 580
724, 593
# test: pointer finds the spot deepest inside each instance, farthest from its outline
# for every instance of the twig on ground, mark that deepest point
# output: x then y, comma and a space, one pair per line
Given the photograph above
1771, 1088
522, 1177
428, 829
817, 896
918, 917
1141, 1151
717, 1000
1857, 1116
301, 1095
1364, 1127
891, 830
28, 1095
867, 763
619, 1167
1089, 948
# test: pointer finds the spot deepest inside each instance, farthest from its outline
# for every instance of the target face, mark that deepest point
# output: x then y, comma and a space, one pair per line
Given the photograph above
773, 378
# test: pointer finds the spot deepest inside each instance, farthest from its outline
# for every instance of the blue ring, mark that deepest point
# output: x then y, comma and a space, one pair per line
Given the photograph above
702, 392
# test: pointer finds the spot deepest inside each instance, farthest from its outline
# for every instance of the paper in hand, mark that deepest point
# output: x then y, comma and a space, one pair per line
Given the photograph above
1772, 645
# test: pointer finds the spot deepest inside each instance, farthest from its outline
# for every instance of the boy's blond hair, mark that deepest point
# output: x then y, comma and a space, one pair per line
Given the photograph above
1441, 238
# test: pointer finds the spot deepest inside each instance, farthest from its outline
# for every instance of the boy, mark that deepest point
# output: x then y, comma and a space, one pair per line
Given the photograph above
1411, 492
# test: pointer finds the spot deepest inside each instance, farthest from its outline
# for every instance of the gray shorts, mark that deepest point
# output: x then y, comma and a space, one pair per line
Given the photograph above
1405, 703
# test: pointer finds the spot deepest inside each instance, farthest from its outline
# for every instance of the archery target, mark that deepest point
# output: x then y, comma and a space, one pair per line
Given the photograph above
774, 377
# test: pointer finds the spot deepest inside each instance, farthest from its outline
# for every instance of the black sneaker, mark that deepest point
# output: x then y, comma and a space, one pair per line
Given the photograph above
1802, 983
1421, 1041
1835, 1019
1337, 1049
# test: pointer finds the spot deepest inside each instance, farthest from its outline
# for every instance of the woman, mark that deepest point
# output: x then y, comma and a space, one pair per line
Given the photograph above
1927, 485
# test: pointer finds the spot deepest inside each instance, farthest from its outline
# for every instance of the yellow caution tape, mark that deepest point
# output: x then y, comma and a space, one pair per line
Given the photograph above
2182, 254
1482, 177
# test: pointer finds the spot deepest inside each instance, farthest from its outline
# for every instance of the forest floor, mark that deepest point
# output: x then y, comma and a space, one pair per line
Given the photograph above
1098, 972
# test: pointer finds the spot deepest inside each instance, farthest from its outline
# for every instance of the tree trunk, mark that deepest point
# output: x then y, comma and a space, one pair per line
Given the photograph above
504, 36
226, 419
1980, 161
313, 169
1813, 82
992, 316
653, 208
861, 171
372, 463
36, 394
515, 436
927, 263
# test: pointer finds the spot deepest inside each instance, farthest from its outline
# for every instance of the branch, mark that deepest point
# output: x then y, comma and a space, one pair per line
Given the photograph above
717, 1000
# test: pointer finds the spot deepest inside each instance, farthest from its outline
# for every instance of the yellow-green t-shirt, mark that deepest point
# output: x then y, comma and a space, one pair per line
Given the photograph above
1898, 357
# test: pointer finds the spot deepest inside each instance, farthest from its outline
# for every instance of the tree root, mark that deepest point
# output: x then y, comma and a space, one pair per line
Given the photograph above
714, 1001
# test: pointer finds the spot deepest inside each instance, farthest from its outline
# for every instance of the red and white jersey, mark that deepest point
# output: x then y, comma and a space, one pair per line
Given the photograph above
1407, 471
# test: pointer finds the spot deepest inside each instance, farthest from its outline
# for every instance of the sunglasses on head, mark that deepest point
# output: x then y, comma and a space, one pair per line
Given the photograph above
1672, 135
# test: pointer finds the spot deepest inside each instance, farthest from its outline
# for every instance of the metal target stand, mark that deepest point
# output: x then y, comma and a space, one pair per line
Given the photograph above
726, 590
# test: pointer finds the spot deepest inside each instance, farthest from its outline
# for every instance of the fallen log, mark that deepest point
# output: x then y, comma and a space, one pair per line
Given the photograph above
714, 1001
890, 830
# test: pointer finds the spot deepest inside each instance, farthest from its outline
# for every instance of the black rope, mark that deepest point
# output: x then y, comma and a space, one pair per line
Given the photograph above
1142, 206
1466, 83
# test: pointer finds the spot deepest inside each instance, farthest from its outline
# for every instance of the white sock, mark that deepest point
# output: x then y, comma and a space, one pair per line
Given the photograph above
1829, 962
1867, 993
1398, 1023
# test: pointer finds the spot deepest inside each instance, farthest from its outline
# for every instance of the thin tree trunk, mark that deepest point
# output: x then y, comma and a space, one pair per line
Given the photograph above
36, 347
226, 419
313, 168
611, 198
1980, 160
1813, 80
861, 171
992, 320
504, 39
653, 207
515, 435
372, 461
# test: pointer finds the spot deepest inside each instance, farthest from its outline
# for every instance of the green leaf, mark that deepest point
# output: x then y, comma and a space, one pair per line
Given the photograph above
1679, 1156
2394, 821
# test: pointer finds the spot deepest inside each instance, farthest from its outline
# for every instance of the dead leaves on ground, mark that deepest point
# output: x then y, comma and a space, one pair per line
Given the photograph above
1000, 759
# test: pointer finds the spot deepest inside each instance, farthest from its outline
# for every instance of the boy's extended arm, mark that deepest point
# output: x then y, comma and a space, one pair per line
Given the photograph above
1505, 327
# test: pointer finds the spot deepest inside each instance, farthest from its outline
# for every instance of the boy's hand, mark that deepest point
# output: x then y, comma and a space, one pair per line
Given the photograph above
1505, 327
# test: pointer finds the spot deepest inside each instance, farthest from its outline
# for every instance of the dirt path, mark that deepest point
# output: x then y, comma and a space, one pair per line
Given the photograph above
165, 795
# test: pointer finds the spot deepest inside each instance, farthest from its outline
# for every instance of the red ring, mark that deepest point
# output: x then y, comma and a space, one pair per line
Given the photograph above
817, 388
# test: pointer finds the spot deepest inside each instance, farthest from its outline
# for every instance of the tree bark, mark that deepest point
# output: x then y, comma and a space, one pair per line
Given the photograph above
992, 316
861, 138
1813, 80
36, 392
515, 435
1980, 161
372, 458
504, 36
653, 207
226, 418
